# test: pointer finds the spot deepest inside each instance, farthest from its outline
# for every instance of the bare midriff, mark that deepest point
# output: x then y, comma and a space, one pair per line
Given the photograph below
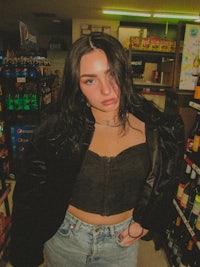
97, 219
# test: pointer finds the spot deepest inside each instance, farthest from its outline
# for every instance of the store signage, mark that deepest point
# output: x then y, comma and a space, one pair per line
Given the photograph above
28, 36
190, 67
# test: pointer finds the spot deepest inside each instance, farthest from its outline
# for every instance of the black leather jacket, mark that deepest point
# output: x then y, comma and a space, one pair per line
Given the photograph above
49, 171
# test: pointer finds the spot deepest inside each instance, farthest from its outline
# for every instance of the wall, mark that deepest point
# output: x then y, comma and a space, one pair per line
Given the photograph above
161, 30
76, 24
57, 60
10, 40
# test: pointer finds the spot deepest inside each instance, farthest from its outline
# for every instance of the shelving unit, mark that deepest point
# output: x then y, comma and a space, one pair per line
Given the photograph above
27, 90
191, 159
162, 62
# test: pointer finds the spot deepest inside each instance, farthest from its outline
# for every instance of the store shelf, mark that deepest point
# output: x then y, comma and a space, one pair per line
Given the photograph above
142, 83
194, 104
153, 52
149, 92
189, 228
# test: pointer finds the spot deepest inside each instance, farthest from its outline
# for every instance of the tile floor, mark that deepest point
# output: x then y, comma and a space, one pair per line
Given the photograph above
148, 256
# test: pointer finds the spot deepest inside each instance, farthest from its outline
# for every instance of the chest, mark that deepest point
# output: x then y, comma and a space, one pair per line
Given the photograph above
111, 142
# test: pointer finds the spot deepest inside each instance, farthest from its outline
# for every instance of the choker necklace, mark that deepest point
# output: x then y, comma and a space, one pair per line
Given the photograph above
109, 126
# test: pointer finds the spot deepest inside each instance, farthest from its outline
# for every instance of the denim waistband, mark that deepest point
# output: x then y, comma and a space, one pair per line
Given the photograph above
77, 224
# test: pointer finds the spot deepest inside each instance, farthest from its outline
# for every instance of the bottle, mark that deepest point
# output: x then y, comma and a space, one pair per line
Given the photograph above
188, 195
197, 89
196, 258
193, 131
18, 68
196, 205
195, 66
32, 71
177, 239
6, 69
192, 193
197, 228
170, 234
196, 140
183, 182
187, 254
24, 69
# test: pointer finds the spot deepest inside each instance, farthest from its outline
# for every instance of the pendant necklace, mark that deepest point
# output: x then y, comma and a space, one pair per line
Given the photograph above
112, 126
109, 126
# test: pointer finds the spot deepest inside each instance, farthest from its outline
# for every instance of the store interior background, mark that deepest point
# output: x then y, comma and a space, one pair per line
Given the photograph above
60, 21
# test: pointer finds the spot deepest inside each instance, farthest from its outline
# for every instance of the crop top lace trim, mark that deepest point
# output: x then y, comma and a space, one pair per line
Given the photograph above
111, 185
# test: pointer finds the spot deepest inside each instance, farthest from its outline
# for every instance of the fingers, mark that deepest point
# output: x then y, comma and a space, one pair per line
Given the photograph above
132, 233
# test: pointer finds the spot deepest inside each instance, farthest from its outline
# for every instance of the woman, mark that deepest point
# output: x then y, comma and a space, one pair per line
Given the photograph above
98, 166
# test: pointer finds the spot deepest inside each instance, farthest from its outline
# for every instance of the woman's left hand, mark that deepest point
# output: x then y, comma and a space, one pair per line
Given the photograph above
132, 233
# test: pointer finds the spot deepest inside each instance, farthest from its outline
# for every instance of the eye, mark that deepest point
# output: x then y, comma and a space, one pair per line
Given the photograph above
89, 81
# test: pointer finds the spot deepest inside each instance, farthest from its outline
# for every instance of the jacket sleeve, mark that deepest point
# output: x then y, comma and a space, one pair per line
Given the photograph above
166, 146
37, 199
26, 244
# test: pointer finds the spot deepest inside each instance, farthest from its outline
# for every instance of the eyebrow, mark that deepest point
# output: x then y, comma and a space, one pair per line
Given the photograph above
93, 75
88, 75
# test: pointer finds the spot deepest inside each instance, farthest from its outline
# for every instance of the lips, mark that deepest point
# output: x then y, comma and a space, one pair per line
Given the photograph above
108, 102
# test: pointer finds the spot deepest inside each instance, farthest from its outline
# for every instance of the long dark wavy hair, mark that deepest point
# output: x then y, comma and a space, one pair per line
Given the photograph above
71, 99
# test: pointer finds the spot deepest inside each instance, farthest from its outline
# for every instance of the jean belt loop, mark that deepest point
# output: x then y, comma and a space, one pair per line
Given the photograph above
112, 230
77, 225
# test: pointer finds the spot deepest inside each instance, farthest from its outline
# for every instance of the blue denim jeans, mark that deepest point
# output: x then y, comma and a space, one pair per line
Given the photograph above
78, 244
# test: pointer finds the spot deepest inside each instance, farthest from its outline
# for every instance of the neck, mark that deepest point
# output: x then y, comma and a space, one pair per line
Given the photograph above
106, 118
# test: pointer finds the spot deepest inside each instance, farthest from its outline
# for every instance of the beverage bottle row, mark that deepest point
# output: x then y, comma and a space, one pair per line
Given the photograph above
188, 194
193, 140
27, 96
182, 247
22, 101
25, 68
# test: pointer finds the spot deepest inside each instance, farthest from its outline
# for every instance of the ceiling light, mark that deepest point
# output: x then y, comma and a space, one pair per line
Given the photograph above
175, 16
126, 13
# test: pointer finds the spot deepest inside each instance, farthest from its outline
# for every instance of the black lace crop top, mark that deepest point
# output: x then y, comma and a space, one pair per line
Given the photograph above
111, 185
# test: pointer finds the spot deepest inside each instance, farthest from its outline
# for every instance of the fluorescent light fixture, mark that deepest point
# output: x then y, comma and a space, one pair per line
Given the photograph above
155, 15
175, 16
126, 13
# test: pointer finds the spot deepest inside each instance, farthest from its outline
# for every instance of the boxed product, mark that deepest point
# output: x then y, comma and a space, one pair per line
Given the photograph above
146, 43
165, 45
155, 43
20, 135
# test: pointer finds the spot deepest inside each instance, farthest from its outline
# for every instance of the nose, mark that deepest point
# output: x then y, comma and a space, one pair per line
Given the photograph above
106, 87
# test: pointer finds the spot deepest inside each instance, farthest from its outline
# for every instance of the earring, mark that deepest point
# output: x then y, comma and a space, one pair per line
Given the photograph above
88, 105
